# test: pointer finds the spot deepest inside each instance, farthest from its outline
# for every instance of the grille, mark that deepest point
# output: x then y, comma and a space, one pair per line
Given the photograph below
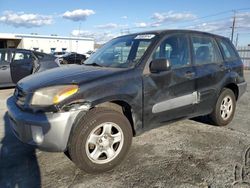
20, 97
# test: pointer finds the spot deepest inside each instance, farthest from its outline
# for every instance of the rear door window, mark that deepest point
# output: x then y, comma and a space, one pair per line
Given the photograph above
22, 56
205, 50
19, 56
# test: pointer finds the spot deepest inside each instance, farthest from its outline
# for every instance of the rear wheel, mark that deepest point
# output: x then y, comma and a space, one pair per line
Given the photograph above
82, 61
224, 110
100, 141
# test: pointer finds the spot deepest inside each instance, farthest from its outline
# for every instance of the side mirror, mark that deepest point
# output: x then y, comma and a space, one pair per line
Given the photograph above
160, 65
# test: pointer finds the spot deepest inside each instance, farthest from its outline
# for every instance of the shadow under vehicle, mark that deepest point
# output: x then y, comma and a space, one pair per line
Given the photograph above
18, 161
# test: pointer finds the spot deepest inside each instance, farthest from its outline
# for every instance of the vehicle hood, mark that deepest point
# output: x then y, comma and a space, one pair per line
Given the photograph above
68, 74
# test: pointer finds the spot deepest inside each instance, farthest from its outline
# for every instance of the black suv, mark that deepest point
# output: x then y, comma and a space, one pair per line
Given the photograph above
132, 84
72, 58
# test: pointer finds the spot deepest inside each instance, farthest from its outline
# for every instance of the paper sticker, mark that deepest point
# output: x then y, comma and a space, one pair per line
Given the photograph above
145, 36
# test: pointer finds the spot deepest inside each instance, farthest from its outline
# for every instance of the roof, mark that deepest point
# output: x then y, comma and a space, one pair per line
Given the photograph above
169, 31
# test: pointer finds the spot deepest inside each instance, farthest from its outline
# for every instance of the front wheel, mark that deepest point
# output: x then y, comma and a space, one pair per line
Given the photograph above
224, 109
100, 141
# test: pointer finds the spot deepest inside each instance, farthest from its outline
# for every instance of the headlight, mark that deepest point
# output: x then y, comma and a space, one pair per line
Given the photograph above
53, 95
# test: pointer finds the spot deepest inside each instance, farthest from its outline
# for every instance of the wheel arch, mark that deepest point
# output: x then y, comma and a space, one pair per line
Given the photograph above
234, 88
118, 105
122, 107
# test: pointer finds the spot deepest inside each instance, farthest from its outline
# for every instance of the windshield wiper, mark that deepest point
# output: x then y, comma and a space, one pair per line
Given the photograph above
94, 64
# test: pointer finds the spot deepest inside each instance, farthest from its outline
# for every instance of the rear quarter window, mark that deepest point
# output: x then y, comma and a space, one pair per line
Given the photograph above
227, 50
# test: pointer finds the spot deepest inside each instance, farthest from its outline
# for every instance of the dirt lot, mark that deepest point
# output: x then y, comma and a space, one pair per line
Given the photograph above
183, 154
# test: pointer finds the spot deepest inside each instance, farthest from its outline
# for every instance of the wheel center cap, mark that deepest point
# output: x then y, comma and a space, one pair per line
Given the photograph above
104, 142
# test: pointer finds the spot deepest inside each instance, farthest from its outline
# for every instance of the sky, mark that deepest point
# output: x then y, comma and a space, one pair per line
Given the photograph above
104, 20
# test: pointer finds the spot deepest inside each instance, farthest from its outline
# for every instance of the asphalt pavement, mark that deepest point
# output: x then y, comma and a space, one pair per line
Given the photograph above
189, 153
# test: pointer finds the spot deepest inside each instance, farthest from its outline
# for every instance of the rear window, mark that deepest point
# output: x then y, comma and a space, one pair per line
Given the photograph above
227, 49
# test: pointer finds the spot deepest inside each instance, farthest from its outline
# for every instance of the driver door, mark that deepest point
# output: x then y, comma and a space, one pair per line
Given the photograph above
170, 95
21, 65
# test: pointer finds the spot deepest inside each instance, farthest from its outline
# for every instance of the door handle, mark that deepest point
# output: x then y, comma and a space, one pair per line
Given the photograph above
189, 74
4, 67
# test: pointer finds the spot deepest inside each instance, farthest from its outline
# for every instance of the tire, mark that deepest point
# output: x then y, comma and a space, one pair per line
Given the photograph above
82, 61
100, 141
64, 62
224, 109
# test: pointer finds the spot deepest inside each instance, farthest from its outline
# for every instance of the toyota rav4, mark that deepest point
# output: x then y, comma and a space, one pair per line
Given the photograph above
132, 84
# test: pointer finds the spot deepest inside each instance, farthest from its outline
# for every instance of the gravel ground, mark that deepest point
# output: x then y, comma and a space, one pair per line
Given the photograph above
187, 153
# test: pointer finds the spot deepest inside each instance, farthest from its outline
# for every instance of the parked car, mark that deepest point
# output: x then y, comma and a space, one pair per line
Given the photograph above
16, 64
72, 58
59, 54
132, 84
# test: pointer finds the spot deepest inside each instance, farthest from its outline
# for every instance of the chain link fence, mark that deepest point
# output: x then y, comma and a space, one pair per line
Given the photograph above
244, 52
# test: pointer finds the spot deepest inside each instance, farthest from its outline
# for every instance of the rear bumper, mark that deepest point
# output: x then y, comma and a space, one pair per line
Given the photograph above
242, 88
46, 131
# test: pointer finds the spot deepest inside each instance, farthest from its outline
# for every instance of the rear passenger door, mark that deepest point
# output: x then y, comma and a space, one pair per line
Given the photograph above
209, 71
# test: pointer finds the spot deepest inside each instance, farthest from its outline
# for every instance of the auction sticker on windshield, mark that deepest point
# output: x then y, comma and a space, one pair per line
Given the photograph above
146, 36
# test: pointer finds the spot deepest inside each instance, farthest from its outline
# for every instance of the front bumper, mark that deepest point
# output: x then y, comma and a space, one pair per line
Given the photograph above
47, 131
242, 88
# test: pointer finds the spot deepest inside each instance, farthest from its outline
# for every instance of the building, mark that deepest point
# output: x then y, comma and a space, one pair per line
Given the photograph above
46, 44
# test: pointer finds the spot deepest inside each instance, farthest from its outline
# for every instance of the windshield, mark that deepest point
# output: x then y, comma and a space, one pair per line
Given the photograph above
122, 52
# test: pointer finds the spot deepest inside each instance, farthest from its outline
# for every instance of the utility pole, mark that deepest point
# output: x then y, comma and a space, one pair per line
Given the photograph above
237, 40
79, 29
233, 26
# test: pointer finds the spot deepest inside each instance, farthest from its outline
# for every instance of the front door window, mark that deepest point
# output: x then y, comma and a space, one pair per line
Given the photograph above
175, 49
